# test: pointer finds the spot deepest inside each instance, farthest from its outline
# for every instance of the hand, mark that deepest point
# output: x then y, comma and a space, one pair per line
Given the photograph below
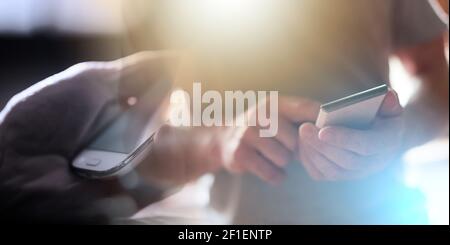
180, 155
339, 153
43, 127
57, 114
244, 151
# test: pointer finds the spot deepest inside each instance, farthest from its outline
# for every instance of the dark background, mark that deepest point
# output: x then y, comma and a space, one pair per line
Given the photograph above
27, 59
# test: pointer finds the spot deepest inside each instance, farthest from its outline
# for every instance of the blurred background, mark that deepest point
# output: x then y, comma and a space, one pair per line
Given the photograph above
41, 37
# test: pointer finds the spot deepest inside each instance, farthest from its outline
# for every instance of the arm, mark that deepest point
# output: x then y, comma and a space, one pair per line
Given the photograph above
426, 116
43, 127
182, 154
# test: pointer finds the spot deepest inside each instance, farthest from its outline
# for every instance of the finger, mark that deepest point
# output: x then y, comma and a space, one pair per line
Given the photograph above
372, 164
328, 169
343, 158
142, 70
358, 141
384, 136
287, 134
299, 110
377, 163
391, 105
304, 159
262, 168
268, 147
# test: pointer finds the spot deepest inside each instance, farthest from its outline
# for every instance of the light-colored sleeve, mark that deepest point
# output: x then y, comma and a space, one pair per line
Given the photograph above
414, 22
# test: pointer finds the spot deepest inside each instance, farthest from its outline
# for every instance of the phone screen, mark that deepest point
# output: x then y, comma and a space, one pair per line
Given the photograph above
133, 126
122, 136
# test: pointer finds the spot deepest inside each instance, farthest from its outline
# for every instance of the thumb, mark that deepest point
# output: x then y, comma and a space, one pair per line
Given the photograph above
391, 105
142, 70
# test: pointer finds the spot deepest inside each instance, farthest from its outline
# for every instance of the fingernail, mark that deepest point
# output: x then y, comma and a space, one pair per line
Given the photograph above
397, 106
308, 131
392, 101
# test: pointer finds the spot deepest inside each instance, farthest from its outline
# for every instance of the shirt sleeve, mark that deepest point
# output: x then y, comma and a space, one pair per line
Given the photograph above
414, 22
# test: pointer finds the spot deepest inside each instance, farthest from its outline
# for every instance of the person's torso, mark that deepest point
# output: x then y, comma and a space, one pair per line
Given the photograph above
320, 50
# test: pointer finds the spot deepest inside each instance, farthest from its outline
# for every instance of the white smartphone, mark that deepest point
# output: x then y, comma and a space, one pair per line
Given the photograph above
124, 142
354, 111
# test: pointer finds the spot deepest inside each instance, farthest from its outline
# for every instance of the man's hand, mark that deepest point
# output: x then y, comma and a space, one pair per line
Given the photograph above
243, 150
58, 114
43, 127
339, 153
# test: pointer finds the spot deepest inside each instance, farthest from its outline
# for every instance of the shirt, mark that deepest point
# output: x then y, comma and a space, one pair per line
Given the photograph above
328, 51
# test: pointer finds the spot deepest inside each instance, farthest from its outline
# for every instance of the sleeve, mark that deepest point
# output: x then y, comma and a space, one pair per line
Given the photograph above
414, 22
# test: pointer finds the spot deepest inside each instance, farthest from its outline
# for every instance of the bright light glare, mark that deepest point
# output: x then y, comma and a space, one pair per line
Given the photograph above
401, 81
227, 8
210, 24
427, 170
228, 11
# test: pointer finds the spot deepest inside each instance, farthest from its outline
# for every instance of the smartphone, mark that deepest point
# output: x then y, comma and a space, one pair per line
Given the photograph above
123, 142
354, 111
